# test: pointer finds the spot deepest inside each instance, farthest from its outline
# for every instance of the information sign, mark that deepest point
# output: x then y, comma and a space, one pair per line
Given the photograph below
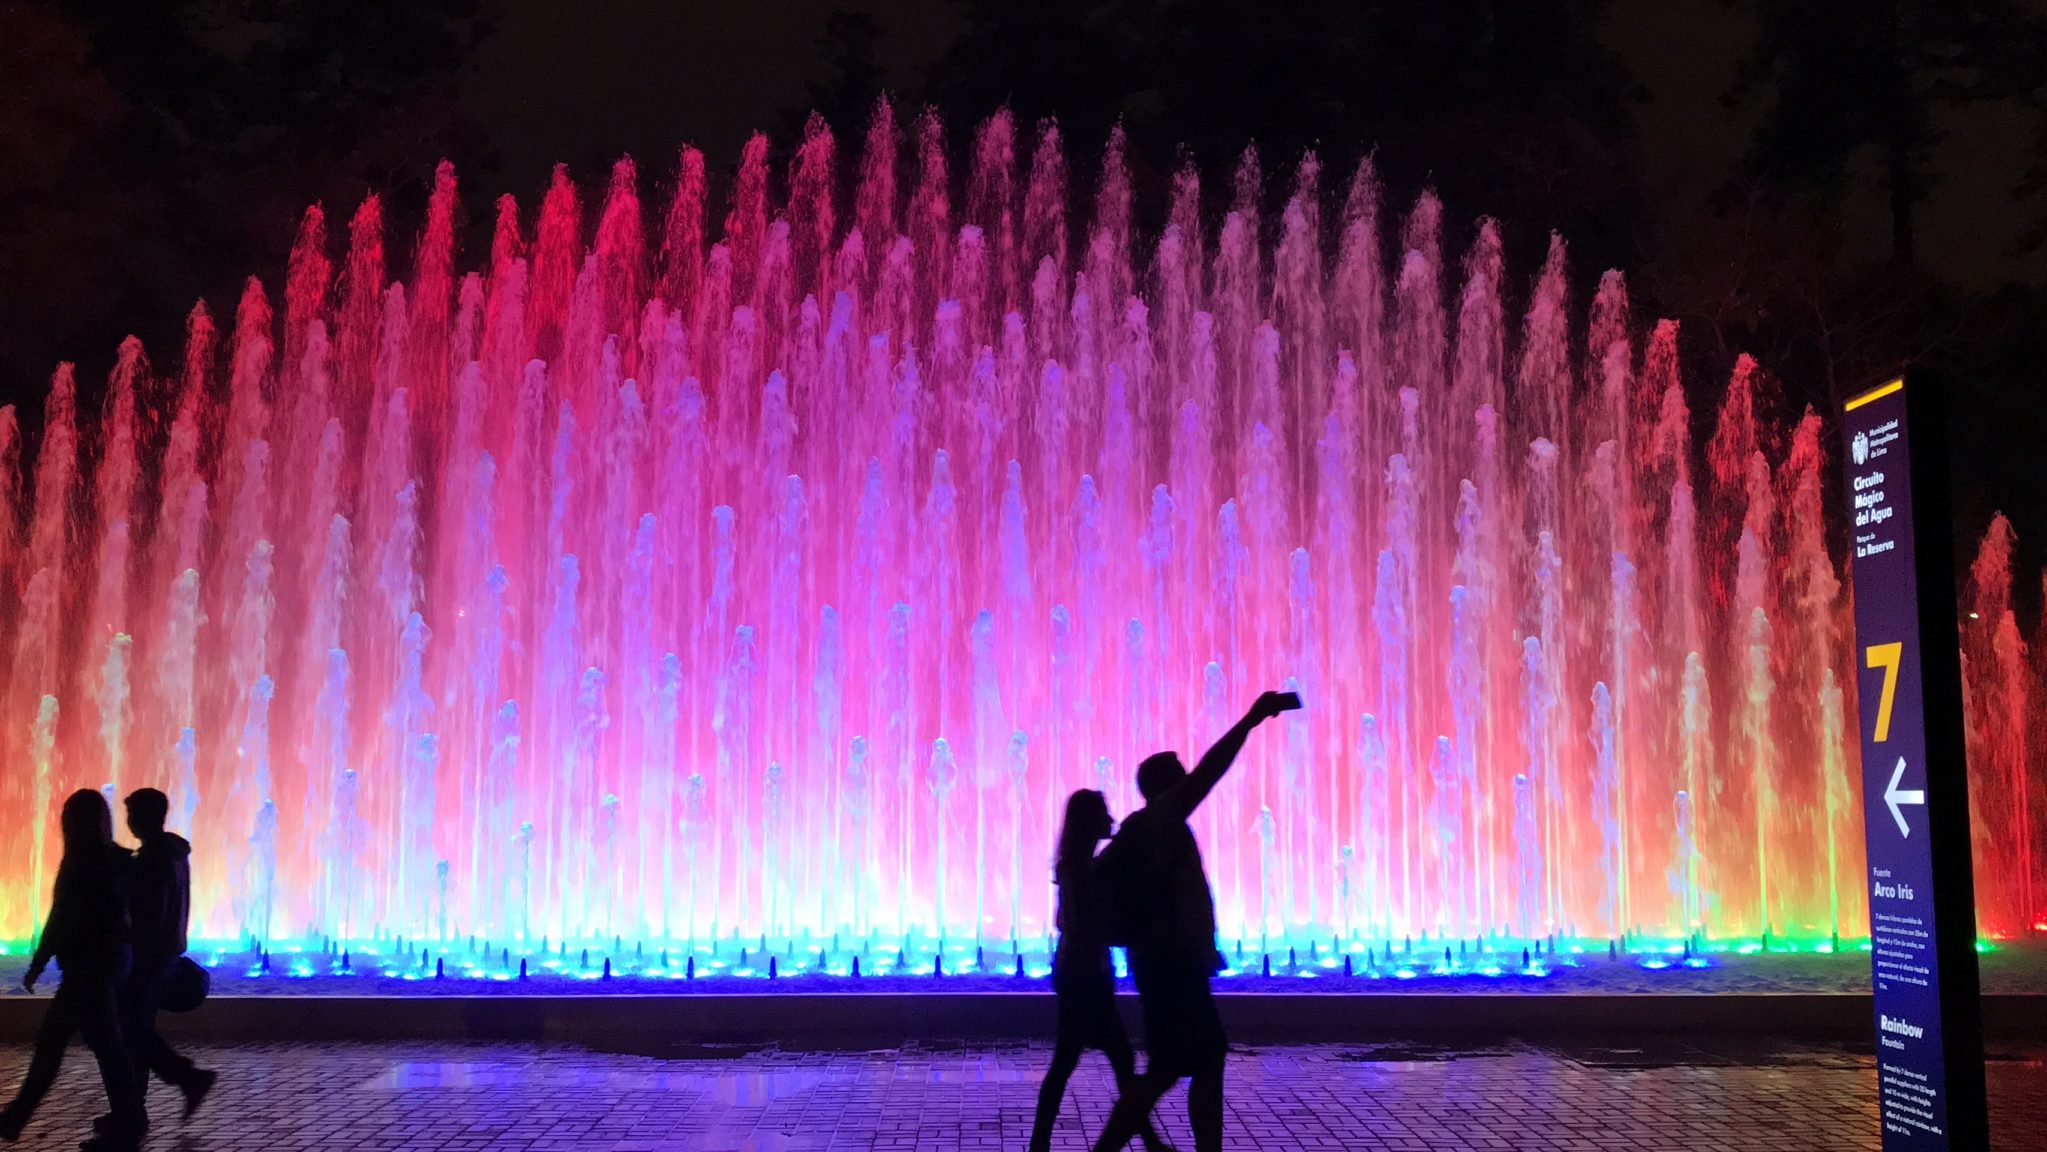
1915, 799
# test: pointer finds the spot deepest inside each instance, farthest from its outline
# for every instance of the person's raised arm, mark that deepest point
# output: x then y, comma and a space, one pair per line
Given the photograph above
1186, 796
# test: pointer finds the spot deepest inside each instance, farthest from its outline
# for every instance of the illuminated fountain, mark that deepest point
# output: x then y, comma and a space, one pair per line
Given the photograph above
658, 585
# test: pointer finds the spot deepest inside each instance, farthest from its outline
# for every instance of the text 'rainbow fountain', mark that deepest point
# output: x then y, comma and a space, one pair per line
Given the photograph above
776, 581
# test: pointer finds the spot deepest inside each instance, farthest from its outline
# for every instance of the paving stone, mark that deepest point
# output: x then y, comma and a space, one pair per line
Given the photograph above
456, 1097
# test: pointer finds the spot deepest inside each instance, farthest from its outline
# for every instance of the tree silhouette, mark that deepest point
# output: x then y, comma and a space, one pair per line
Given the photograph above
853, 76
1513, 109
1841, 79
223, 119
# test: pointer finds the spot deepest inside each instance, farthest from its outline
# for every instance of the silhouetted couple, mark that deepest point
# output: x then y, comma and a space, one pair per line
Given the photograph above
116, 928
1147, 892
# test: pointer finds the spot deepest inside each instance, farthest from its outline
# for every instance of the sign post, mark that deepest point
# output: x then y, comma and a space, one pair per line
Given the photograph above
1915, 791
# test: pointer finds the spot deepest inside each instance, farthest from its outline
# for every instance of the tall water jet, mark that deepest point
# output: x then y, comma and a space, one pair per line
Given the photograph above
834, 866
940, 779
858, 791
1527, 860
1539, 705
1374, 832
114, 707
42, 751
261, 883
1997, 681
1753, 646
1019, 767
1694, 749
988, 774
1607, 801
260, 858
500, 778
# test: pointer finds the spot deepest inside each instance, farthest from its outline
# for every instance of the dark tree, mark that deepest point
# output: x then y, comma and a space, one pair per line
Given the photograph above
1513, 109
221, 120
62, 211
853, 77
1849, 93
1838, 80
1998, 53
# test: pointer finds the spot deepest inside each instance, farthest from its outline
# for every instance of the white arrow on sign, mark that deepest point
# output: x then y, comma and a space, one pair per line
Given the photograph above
1896, 796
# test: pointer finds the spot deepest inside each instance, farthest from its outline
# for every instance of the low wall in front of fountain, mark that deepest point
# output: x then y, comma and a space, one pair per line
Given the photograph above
672, 1025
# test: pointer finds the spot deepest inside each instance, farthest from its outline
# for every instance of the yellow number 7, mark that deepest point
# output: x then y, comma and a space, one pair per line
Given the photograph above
1886, 657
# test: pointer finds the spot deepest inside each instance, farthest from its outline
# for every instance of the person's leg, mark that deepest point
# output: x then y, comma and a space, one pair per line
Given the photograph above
1116, 1046
1209, 1048
99, 1025
52, 1037
1205, 1106
138, 1012
1133, 1108
146, 1046
170, 1065
1065, 1058
141, 996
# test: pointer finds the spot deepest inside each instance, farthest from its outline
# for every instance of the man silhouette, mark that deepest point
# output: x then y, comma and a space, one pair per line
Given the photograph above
1153, 868
159, 906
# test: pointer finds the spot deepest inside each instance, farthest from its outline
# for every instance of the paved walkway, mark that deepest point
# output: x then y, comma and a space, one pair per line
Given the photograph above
384, 1098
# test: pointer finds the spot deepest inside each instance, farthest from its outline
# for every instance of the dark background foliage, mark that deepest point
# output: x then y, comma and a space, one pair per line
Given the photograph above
1836, 186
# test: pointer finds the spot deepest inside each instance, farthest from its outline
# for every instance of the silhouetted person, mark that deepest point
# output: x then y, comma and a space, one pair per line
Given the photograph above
1081, 975
1172, 935
159, 908
87, 932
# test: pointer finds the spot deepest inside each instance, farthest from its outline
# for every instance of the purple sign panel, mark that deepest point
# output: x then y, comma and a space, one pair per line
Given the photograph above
1914, 781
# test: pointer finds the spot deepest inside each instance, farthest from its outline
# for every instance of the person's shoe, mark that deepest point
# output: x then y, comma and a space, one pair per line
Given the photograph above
113, 1142
103, 1124
11, 1124
197, 1088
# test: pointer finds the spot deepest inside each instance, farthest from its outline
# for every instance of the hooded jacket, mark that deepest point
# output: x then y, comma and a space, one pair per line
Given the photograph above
160, 896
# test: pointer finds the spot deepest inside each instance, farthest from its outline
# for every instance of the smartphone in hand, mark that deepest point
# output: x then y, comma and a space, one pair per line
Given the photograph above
1286, 701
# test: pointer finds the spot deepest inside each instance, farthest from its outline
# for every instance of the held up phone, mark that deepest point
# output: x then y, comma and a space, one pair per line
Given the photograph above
1288, 701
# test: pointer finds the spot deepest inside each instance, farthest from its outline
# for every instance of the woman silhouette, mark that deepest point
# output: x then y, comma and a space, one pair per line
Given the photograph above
1081, 976
87, 932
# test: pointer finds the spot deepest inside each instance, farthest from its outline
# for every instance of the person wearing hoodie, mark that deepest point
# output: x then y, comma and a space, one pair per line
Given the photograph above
86, 932
159, 906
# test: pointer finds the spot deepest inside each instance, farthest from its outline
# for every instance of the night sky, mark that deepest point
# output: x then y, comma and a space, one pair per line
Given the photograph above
582, 83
